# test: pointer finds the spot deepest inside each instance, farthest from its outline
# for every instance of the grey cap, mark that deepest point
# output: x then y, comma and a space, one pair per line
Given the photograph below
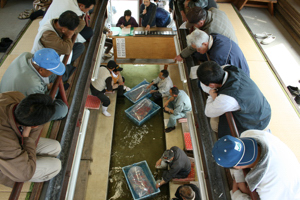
167, 155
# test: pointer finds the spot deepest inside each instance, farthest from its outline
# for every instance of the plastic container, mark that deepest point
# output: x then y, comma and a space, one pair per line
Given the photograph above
140, 180
139, 92
140, 112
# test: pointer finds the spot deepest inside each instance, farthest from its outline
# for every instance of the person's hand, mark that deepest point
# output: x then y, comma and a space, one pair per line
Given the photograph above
109, 33
167, 109
183, 17
49, 86
213, 93
122, 26
178, 58
129, 26
186, 3
157, 185
158, 163
147, 28
69, 33
152, 91
166, 104
170, 10
26, 131
144, 11
148, 86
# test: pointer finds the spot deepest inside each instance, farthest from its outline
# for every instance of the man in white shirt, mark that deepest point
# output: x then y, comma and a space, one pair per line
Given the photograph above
274, 168
80, 7
231, 90
164, 83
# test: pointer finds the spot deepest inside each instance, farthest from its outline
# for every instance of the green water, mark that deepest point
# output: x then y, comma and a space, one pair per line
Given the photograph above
131, 143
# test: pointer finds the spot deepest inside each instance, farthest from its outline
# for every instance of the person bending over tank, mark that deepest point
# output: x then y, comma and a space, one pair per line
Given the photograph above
164, 83
178, 104
127, 21
215, 47
231, 90
31, 74
103, 84
147, 13
187, 192
274, 169
22, 120
178, 162
57, 34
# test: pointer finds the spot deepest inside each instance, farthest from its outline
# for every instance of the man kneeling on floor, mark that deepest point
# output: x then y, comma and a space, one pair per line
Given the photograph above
274, 167
164, 83
187, 192
176, 106
179, 163
22, 120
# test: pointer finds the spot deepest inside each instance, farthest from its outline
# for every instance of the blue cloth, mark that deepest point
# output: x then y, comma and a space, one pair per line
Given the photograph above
162, 17
148, 18
225, 51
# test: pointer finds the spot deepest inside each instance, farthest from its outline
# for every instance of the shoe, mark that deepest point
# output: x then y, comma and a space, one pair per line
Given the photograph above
297, 99
104, 111
293, 90
3, 48
169, 129
6, 41
107, 55
268, 40
262, 35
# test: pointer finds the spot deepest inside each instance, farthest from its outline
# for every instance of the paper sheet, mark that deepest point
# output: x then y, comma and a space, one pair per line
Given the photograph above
121, 52
125, 31
115, 32
183, 26
193, 72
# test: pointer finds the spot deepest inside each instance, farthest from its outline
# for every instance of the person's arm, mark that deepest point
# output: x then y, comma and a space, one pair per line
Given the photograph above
134, 23
167, 102
237, 194
178, 108
170, 174
108, 82
142, 8
219, 106
80, 26
20, 161
186, 52
180, 4
51, 40
153, 12
162, 182
120, 22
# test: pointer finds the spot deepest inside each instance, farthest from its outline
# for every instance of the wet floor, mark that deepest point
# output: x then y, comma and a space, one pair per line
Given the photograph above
132, 144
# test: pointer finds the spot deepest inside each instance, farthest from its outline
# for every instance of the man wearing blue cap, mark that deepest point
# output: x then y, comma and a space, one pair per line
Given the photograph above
274, 168
31, 74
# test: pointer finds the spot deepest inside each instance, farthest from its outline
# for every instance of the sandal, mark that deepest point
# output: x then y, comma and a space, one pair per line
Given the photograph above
268, 40
26, 14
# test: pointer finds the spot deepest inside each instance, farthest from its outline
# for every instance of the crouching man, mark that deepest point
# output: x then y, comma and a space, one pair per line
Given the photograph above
179, 163
22, 120
274, 167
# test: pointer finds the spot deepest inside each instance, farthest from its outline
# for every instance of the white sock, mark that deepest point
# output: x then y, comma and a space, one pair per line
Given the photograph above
104, 111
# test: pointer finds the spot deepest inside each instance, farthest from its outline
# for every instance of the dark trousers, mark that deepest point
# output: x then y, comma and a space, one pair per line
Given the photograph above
211, 3
180, 174
87, 32
100, 94
78, 49
108, 44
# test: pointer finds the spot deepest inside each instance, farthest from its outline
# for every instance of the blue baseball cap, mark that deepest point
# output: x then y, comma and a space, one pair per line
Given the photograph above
229, 151
48, 59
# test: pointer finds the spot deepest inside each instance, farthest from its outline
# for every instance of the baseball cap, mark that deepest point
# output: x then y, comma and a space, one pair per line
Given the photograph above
194, 15
167, 155
118, 68
112, 64
48, 59
229, 151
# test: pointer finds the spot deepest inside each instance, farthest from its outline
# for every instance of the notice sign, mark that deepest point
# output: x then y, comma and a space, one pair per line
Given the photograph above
121, 52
